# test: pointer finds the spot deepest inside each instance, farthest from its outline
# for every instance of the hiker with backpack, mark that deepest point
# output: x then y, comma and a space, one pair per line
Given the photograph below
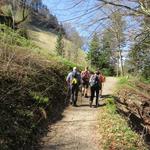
74, 80
94, 87
85, 75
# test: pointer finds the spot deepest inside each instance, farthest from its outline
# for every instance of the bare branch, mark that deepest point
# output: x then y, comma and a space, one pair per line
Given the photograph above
80, 16
124, 6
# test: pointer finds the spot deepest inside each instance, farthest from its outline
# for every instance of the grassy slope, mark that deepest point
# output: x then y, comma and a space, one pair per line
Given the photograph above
32, 85
47, 41
134, 83
44, 39
114, 129
115, 132
29, 87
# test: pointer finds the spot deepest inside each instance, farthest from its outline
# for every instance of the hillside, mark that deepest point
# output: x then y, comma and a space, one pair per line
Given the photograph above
31, 76
29, 87
42, 28
46, 40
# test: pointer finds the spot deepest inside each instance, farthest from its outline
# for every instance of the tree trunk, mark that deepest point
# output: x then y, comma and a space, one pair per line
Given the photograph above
13, 18
121, 63
117, 66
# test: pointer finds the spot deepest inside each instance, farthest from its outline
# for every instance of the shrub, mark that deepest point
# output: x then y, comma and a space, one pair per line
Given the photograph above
10, 37
23, 32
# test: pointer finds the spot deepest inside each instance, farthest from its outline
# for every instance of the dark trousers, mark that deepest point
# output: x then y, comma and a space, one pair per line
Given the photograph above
93, 91
74, 94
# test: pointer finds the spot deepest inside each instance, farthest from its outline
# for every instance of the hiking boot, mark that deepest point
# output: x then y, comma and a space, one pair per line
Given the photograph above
86, 96
91, 104
97, 105
101, 96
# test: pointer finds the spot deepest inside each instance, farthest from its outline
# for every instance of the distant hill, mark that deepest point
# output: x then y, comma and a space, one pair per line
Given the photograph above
42, 27
37, 14
46, 40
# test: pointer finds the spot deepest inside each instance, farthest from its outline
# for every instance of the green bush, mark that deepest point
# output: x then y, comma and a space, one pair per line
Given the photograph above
108, 71
10, 37
23, 32
123, 80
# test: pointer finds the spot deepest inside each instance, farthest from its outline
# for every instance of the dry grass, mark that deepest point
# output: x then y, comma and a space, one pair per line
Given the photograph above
46, 40
115, 132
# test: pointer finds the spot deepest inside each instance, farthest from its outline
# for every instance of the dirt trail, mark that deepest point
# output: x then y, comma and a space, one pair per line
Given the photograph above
78, 130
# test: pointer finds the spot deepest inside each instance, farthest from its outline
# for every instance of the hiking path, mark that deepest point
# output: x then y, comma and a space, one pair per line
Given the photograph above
78, 129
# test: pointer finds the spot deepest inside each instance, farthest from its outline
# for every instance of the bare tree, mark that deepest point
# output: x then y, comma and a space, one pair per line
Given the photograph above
12, 7
117, 28
102, 9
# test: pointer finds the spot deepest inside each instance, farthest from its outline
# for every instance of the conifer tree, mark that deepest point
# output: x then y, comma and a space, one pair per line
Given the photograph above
93, 54
60, 44
106, 59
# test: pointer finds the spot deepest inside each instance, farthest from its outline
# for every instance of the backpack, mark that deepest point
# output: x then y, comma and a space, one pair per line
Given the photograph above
74, 80
85, 76
102, 78
94, 81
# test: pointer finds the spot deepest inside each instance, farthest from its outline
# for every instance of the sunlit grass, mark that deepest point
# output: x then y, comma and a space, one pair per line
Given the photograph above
115, 132
130, 82
46, 40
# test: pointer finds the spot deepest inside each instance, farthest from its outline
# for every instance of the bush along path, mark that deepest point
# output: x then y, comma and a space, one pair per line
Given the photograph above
79, 127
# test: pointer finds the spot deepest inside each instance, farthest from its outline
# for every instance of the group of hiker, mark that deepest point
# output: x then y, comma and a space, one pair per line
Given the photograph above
84, 80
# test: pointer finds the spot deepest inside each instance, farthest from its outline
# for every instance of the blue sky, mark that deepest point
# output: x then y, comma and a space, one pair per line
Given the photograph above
67, 10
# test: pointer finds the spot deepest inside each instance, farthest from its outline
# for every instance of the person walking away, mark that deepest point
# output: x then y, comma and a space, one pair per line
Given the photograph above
94, 87
102, 80
74, 80
85, 75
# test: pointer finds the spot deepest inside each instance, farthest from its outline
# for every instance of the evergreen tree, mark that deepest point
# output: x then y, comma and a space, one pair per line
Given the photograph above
93, 54
60, 44
139, 55
105, 51
139, 58
100, 56
106, 58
